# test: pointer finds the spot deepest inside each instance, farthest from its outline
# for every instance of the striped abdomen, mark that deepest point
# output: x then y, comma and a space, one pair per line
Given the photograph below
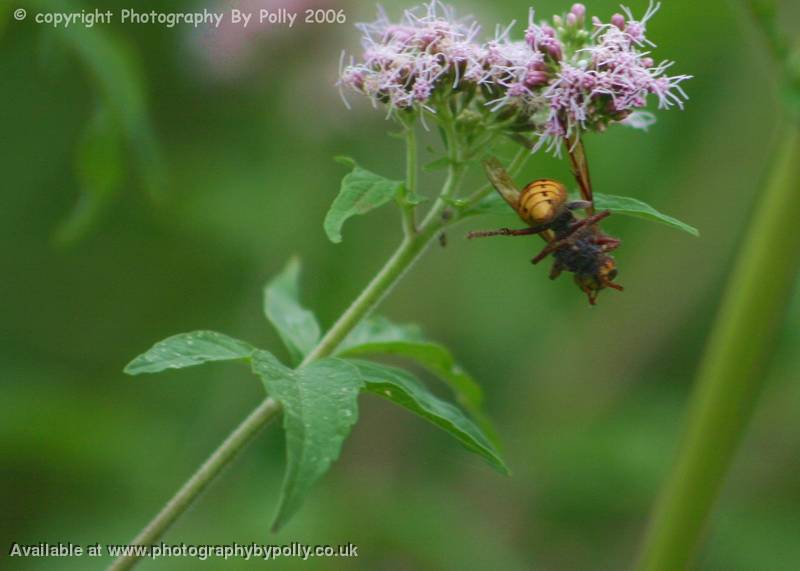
541, 201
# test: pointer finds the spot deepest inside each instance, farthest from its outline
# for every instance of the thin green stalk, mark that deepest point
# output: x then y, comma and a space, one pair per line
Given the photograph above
412, 246
432, 220
227, 451
455, 172
407, 207
376, 290
732, 371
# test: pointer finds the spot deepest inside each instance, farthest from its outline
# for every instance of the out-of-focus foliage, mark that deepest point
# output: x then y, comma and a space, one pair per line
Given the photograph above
120, 126
587, 401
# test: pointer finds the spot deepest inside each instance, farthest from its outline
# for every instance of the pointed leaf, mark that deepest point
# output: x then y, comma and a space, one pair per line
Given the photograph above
626, 206
414, 198
632, 207
320, 406
458, 203
296, 325
403, 389
349, 162
378, 329
187, 350
491, 204
361, 191
438, 164
381, 336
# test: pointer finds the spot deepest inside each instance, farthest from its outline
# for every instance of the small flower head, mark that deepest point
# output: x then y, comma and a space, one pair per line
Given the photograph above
403, 64
542, 38
578, 11
636, 28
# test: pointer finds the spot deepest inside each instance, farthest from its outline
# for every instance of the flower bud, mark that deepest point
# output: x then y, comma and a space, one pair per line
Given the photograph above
517, 90
535, 78
618, 20
579, 11
422, 90
572, 20
552, 47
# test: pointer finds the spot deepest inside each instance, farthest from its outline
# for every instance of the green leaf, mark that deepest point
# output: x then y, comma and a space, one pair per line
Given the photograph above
378, 329
403, 389
491, 204
632, 207
458, 203
296, 325
381, 336
414, 198
187, 350
626, 206
438, 164
100, 171
345, 160
361, 192
320, 406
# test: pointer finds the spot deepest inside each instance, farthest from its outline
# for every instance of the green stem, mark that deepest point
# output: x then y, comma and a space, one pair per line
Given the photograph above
227, 451
393, 270
407, 208
732, 371
433, 219
376, 290
455, 172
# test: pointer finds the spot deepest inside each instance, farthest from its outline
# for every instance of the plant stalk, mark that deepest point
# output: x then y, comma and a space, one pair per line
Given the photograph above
376, 290
733, 369
407, 206
227, 451
412, 246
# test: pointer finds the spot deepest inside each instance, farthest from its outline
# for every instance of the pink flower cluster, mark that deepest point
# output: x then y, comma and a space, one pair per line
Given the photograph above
404, 64
561, 80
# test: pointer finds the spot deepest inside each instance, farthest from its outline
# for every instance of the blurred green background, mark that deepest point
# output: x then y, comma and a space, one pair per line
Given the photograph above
236, 177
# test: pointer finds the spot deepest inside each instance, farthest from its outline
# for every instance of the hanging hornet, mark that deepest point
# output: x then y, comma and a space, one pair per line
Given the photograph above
577, 244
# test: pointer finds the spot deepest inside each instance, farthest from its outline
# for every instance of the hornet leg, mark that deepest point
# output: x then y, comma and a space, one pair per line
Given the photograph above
506, 232
550, 248
556, 270
607, 243
588, 221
